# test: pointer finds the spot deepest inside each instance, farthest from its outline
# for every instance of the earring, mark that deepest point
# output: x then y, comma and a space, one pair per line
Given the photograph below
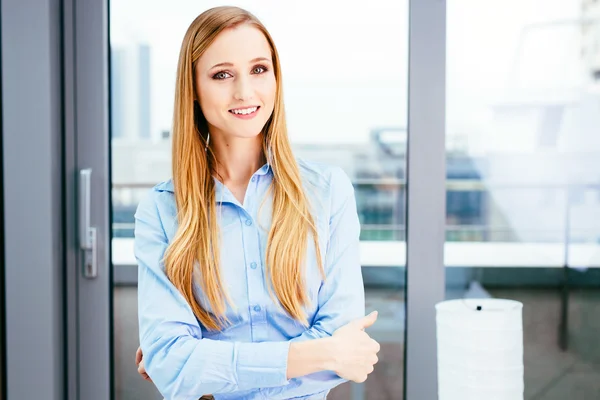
207, 141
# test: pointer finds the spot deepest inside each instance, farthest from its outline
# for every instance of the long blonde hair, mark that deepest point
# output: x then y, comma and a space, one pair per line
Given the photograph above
194, 251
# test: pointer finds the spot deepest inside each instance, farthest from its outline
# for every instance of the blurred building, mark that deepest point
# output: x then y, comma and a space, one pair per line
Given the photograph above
590, 32
499, 197
130, 95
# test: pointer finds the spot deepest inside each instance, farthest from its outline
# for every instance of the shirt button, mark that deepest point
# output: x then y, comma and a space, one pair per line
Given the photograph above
248, 222
257, 308
253, 265
253, 179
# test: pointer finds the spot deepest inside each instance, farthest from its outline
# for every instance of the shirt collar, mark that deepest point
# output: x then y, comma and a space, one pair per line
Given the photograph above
222, 194
227, 196
264, 169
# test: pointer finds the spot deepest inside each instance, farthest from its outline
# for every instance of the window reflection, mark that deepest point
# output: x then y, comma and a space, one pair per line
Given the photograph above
523, 188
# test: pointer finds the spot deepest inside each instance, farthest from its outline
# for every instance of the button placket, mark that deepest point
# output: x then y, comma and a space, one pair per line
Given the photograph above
256, 303
259, 323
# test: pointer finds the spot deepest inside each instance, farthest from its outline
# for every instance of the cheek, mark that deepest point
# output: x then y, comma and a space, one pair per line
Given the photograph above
212, 101
268, 90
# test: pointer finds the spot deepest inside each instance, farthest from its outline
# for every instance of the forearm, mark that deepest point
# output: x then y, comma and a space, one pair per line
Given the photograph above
305, 360
185, 367
310, 356
311, 365
255, 364
309, 371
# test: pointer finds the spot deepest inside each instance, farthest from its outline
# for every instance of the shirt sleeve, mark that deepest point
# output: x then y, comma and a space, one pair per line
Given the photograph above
182, 364
341, 297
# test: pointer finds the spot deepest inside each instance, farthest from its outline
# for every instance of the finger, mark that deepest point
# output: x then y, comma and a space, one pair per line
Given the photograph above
376, 346
147, 377
141, 369
367, 321
138, 355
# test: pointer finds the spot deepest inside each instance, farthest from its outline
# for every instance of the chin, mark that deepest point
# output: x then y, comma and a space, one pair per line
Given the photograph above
239, 135
246, 133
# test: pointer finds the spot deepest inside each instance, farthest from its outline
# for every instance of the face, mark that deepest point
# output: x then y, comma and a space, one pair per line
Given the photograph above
235, 83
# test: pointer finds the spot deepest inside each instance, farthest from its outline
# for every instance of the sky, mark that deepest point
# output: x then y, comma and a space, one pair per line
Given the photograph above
345, 64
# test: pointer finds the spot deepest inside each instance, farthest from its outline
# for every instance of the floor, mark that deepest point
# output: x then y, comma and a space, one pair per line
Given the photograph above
550, 374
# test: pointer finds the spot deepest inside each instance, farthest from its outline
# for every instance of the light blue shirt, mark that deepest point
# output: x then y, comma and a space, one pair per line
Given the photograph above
247, 360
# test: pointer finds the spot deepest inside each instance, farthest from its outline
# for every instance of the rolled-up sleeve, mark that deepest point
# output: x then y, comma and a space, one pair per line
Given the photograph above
341, 297
183, 364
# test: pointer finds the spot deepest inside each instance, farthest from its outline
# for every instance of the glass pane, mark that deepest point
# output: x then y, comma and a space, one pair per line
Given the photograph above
523, 193
345, 93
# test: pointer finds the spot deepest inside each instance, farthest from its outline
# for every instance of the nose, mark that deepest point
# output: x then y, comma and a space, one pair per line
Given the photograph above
243, 89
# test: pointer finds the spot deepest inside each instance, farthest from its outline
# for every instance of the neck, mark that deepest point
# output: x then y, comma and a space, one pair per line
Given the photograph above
237, 158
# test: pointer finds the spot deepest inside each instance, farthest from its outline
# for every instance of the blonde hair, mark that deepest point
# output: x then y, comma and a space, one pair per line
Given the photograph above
194, 251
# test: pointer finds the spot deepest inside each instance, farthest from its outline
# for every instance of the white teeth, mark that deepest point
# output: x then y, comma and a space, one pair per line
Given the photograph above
245, 110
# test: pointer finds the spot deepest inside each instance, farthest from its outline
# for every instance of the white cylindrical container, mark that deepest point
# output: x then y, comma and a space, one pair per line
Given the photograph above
480, 349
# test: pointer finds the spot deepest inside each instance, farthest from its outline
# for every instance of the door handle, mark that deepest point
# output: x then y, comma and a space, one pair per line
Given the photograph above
87, 233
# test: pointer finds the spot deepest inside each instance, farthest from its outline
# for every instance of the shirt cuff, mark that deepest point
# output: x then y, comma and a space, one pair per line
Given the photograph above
262, 365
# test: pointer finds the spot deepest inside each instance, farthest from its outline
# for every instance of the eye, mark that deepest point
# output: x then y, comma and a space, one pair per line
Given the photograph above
221, 75
259, 69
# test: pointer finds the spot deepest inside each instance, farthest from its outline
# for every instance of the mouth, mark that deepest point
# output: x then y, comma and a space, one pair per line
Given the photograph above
245, 113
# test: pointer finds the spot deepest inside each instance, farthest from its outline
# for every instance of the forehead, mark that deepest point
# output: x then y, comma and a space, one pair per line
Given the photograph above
236, 45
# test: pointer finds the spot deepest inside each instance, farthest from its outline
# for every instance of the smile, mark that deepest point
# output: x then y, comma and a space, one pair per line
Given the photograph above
245, 113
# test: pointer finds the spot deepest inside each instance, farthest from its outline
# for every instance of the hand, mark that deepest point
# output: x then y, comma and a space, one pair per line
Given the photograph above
354, 351
139, 361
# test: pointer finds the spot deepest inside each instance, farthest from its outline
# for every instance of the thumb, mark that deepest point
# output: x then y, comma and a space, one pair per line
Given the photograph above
367, 321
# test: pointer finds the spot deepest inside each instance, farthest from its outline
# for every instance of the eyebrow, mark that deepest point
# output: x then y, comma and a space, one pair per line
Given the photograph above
228, 64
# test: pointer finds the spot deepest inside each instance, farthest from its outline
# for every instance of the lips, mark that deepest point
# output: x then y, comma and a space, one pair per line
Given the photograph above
244, 110
245, 113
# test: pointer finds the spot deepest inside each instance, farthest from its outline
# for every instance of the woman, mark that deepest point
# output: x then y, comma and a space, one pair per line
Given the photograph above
249, 279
